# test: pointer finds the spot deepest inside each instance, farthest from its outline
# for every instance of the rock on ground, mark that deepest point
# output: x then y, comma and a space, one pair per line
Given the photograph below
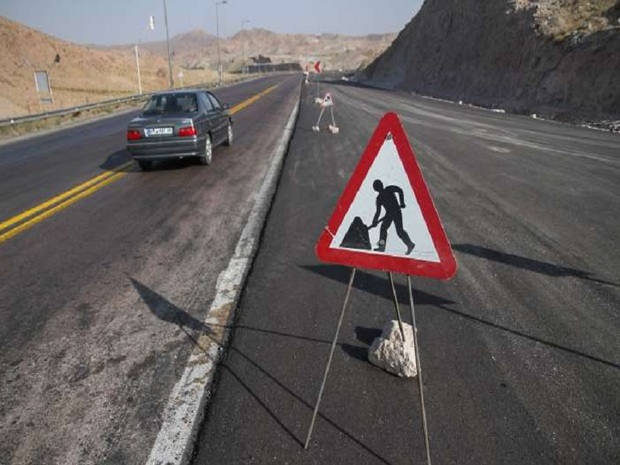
391, 354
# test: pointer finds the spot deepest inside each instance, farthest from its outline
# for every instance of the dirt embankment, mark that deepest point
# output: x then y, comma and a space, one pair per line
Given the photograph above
79, 75
556, 58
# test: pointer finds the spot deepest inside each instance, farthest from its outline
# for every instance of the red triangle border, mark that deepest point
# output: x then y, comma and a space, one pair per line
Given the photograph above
445, 269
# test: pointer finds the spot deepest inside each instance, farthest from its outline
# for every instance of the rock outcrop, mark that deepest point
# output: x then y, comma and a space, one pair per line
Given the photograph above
546, 57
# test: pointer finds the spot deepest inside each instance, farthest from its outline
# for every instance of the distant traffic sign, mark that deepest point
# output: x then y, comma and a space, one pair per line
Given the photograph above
385, 218
317, 66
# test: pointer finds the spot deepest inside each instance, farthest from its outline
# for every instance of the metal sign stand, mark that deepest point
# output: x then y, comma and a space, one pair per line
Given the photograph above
419, 366
316, 78
400, 321
332, 127
329, 360
417, 355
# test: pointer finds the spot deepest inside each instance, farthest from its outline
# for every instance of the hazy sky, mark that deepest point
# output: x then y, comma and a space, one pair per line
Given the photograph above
124, 21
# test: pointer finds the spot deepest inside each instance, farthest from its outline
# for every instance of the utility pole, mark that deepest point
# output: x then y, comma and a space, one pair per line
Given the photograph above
168, 45
217, 33
243, 23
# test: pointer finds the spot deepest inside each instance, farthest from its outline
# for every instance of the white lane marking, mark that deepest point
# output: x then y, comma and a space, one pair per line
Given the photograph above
183, 414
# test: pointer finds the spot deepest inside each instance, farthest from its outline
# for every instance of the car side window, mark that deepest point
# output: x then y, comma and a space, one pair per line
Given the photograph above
215, 102
206, 102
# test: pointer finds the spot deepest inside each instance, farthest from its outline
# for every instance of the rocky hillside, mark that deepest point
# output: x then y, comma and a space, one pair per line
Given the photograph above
557, 58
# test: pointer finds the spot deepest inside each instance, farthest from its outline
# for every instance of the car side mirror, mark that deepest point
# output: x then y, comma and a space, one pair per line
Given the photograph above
226, 106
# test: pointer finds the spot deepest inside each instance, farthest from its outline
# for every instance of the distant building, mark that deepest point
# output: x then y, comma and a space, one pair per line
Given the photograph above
260, 60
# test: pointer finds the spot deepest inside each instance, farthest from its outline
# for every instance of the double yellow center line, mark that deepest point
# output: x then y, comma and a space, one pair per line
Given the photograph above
25, 220
251, 100
19, 223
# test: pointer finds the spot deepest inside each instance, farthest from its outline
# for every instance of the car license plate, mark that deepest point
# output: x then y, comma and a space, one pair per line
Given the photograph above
158, 132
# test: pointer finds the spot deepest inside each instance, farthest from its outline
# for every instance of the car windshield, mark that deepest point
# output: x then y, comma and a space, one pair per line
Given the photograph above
167, 104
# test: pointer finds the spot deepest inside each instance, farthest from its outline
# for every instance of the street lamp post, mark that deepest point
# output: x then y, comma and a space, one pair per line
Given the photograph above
243, 23
217, 33
168, 45
151, 27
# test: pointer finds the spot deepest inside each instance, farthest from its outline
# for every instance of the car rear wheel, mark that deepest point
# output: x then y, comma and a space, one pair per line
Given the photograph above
229, 135
207, 155
145, 165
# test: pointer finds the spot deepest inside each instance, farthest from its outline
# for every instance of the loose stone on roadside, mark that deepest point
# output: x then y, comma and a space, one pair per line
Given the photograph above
390, 353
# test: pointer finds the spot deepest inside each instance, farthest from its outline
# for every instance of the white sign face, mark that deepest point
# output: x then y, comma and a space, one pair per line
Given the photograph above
42, 82
398, 232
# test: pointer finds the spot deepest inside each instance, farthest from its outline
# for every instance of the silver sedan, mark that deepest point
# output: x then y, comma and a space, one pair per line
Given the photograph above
179, 124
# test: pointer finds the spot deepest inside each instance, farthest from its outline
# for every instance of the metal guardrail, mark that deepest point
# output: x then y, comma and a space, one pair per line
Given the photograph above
70, 110
91, 106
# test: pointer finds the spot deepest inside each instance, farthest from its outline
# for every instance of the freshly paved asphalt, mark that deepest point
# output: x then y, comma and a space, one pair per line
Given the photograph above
520, 351
87, 355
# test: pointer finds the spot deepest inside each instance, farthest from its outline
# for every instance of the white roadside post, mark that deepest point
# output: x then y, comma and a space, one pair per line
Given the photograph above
151, 27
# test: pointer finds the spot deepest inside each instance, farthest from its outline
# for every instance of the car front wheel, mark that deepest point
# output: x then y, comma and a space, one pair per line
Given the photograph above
207, 155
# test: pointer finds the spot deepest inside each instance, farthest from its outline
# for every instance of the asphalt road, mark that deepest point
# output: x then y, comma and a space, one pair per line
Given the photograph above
520, 351
87, 357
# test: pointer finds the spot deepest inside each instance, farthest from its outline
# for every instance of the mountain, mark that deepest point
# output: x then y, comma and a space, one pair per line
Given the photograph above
557, 58
198, 49
190, 49
335, 51
86, 74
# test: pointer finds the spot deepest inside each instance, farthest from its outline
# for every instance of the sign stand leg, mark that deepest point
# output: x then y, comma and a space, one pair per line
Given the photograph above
417, 356
329, 360
320, 116
400, 320
316, 78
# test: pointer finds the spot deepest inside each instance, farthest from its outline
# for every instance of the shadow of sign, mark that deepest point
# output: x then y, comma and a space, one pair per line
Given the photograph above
527, 264
380, 286
375, 285
166, 311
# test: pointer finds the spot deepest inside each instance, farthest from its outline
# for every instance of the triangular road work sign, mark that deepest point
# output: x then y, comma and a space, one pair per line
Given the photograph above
385, 218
